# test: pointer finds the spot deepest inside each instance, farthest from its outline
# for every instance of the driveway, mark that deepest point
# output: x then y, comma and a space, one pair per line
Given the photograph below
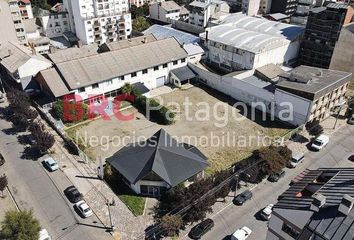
34, 188
233, 217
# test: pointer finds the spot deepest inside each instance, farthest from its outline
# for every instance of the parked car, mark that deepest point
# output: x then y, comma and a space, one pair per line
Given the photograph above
351, 120
83, 208
241, 234
73, 194
243, 197
276, 176
51, 164
44, 235
2, 98
295, 160
200, 229
267, 212
320, 142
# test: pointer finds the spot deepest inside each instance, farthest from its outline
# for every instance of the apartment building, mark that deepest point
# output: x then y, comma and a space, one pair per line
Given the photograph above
6, 24
55, 24
319, 205
165, 12
250, 7
25, 7
99, 21
287, 7
303, 10
140, 3
17, 22
265, 6
203, 11
241, 42
97, 75
322, 31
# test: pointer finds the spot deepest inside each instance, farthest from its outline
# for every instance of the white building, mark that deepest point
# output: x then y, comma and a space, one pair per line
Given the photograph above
55, 24
21, 65
165, 11
25, 7
250, 7
98, 75
202, 11
241, 42
98, 21
16, 19
265, 6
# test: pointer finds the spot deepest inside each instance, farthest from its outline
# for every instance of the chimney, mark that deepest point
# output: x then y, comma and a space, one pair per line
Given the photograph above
346, 205
318, 201
10, 52
51, 49
144, 41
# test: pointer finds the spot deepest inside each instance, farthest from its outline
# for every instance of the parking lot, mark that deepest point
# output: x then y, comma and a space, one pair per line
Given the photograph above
204, 118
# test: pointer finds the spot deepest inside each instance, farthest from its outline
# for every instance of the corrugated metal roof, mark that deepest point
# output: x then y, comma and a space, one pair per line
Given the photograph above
98, 68
73, 53
54, 82
183, 73
162, 32
170, 5
112, 46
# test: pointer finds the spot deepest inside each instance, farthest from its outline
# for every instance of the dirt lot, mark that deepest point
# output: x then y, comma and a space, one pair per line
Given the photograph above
224, 137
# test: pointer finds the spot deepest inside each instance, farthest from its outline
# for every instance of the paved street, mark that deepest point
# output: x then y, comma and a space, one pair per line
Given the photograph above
336, 154
35, 188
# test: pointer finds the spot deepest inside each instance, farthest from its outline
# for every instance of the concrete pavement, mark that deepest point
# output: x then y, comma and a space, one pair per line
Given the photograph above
34, 188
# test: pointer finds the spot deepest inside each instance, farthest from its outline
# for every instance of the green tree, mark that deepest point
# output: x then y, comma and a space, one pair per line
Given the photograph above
140, 24
20, 226
171, 224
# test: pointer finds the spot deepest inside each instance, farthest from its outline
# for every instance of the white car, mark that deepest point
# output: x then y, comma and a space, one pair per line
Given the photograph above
44, 235
295, 160
267, 212
241, 234
51, 164
84, 209
320, 142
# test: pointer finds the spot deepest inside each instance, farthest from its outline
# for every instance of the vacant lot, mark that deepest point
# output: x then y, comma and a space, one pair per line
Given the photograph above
204, 118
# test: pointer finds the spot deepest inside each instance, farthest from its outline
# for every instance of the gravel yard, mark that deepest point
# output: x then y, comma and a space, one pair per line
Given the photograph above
204, 118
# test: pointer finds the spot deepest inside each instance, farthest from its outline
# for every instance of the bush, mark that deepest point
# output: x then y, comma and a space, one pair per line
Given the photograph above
70, 112
314, 128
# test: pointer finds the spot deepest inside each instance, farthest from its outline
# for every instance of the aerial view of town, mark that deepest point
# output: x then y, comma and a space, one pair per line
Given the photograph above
176, 119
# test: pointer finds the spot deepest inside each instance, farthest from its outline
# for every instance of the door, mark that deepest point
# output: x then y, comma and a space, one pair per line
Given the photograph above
160, 81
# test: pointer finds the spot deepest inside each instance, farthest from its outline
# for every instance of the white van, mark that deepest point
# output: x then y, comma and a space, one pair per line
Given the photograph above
241, 234
320, 142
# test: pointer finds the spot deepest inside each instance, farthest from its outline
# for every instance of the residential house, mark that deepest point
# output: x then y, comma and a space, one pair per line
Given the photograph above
20, 65
99, 21
158, 164
55, 24
241, 42
98, 75
319, 205
165, 12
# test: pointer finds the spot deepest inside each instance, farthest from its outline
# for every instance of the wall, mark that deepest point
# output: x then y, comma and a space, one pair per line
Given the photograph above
187, 27
55, 25
32, 67
136, 187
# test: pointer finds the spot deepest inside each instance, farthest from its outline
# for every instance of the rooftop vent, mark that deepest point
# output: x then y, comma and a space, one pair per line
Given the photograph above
346, 205
299, 77
318, 201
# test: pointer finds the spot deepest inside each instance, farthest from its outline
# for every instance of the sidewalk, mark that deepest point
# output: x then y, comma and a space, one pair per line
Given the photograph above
6, 204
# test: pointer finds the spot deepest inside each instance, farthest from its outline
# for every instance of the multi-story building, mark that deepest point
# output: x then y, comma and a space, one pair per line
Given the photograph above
303, 10
287, 7
165, 11
343, 54
202, 11
97, 75
55, 24
98, 21
322, 31
265, 6
319, 205
140, 3
242, 42
250, 7
7, 25
25, 9
17, 21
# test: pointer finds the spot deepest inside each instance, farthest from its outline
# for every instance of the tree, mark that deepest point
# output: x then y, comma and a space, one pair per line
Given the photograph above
140, 24
3, 184
44, 139
274, 158
314, 128
171, 224
20, 226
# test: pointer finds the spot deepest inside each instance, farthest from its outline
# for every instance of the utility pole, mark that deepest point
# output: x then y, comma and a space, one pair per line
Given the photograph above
109, 213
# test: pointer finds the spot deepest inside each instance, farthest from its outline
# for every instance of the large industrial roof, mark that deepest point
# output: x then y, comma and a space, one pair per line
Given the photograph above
73, 53
252, 34
162, 32
53, 82
131, 42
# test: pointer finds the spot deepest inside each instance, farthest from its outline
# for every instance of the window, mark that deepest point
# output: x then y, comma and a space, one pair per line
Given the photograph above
82, 89
175, 62
183, 60
156, 68
94, 86
122, 78
145, 71
164, 65
133, 74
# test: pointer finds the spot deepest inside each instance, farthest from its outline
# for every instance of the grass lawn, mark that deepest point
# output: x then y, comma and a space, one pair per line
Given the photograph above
135, 203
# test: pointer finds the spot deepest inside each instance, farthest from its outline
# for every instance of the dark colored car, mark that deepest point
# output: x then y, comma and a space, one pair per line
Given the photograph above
73, 194
351, 158
201, 228
276, 176
2, 160
243, 197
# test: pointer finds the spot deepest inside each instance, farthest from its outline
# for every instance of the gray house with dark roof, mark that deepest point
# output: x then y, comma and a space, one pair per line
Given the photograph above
158, 164
319, 205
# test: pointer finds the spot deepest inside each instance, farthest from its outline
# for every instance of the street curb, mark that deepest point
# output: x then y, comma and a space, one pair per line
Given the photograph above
13, 199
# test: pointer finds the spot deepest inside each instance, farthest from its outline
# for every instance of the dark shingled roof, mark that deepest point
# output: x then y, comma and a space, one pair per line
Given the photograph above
183, 73
140, 87
171, 161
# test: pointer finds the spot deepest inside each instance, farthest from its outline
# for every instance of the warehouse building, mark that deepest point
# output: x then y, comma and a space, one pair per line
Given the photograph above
243, 43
